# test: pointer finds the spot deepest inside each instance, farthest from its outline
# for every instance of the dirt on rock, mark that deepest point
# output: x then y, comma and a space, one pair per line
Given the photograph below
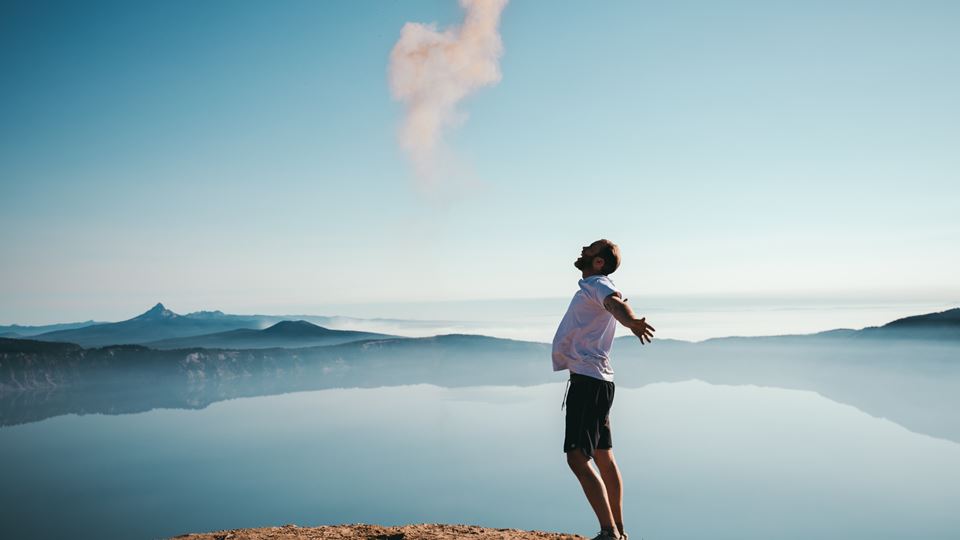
421, 531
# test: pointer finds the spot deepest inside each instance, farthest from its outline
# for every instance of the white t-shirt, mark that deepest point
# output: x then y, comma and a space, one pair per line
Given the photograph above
583, 340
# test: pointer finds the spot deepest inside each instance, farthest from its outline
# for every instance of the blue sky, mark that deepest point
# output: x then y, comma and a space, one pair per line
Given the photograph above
243, 155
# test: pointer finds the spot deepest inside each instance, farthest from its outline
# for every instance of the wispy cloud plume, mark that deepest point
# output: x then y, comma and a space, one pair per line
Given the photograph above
431, 71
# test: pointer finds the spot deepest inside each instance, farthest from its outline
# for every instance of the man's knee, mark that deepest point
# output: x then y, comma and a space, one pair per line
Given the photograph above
604, 458
578, 460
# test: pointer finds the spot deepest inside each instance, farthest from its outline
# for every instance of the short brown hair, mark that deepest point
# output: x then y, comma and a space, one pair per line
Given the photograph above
610, 253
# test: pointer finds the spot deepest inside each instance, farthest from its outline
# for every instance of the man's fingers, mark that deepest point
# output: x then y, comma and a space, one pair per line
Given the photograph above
643, 323
642, 336
643, 330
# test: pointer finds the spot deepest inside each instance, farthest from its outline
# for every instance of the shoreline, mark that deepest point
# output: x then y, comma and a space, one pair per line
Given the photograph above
417, 531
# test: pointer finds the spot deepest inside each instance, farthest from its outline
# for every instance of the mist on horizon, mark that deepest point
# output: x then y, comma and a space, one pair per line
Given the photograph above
683, 318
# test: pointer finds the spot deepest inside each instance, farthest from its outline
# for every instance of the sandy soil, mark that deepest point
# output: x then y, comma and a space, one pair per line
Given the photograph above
421, 531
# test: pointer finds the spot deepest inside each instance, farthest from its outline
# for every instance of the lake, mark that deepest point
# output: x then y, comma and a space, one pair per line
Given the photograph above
698, 461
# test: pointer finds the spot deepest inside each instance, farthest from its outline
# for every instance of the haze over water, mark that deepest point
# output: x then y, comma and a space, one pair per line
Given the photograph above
687, 318
751, 439
698, 460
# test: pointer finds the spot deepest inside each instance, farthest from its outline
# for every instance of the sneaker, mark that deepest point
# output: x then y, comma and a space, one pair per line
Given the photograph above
606, 535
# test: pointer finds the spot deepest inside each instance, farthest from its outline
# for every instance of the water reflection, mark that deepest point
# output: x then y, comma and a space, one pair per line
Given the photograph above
916, 384
698, 461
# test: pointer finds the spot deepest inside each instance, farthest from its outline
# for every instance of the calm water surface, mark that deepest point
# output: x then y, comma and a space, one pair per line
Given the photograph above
698, 461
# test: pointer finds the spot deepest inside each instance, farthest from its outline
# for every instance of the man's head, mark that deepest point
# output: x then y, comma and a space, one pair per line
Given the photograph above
600, 257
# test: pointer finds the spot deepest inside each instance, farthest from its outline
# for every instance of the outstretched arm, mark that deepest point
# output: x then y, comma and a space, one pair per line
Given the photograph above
618, 307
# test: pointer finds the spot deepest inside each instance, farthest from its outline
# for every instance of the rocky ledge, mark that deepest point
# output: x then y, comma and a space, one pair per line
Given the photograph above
422, 531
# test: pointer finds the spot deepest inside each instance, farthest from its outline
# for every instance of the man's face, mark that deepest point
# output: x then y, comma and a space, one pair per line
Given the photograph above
587, 254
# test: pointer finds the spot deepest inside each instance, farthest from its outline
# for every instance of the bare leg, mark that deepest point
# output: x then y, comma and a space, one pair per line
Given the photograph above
612, 480
592, 486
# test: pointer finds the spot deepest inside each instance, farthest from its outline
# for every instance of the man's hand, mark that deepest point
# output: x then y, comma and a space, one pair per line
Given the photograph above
618, 307
641, 329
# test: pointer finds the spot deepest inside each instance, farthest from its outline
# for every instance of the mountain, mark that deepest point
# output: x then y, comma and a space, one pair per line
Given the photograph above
156, 313
155, 324
284, 334
206, 314
159, 323
940, 326
17, 330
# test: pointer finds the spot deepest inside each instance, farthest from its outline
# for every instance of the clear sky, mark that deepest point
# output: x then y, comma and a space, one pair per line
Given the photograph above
243, 155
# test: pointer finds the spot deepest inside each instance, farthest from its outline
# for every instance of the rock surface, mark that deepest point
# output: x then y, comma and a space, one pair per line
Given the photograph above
421, 531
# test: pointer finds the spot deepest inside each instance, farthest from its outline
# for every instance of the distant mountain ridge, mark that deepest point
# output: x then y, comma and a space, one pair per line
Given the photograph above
942, 325
160, 323
297, 328
19, 330
161, 327
284, 334
155, 324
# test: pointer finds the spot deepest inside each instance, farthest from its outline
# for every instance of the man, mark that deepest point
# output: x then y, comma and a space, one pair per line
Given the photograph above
582, 346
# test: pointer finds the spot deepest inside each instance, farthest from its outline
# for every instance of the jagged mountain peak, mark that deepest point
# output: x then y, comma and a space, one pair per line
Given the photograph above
157, 312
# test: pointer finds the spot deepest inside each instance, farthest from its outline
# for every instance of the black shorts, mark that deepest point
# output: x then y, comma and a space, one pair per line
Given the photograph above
588, 401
